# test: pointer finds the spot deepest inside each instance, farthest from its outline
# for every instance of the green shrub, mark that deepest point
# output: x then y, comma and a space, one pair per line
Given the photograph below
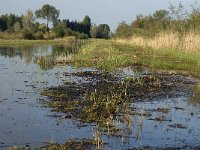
68, 32
59, 30
49, 36
81, 35
39, 36
27, 35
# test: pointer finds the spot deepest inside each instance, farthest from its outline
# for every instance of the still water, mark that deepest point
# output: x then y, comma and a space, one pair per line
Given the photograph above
24, 121
24, 72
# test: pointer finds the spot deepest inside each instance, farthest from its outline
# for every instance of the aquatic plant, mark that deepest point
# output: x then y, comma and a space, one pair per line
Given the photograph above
103, 103
72, 144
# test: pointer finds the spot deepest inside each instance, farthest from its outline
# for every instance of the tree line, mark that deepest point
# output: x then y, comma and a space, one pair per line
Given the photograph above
174, 19
28, 26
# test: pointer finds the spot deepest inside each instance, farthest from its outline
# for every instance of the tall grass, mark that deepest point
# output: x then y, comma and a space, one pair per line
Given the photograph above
66, 40
155, 53
188, 42
10, 36
169, 50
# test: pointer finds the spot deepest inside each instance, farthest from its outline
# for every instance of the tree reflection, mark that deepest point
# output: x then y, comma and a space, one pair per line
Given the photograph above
45, 55
195, 99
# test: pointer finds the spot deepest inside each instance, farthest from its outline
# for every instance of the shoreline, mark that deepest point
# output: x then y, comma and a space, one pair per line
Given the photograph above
5, 42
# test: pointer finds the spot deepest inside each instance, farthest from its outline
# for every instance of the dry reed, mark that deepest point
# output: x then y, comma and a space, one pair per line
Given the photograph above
189, 42
10, 36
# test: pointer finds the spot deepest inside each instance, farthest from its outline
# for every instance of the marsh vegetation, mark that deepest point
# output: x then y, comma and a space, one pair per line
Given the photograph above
122, 93
107, 96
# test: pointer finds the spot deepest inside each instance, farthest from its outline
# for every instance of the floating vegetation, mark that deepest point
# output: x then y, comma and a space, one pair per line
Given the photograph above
96, 106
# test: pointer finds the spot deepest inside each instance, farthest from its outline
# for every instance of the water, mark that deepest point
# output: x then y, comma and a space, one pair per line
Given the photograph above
24, 121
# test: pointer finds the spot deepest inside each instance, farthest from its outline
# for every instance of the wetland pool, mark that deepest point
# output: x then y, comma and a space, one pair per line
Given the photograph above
25, 121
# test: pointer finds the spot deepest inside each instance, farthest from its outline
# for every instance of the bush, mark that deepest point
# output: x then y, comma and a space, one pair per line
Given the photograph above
49, 36
68, 32
124, 31
59, 30
80, 35
39, 36
27, 35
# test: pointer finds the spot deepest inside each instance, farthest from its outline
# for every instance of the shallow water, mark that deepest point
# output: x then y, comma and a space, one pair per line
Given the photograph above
24, 121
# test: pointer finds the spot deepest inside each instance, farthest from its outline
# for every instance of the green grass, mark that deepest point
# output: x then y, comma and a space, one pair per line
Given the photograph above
172, 59
108, 55
104, 54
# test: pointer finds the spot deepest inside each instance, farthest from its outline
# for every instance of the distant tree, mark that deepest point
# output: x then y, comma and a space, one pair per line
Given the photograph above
103, 31
161, 14
86, 25
7, 22
59, 30
10, 21
17, 27
124, 30
28, 21
178, 12
93, 31
3, 23
66, 23
81, 27
49, 13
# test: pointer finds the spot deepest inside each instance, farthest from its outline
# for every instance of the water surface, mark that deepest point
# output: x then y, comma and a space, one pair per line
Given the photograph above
24, 121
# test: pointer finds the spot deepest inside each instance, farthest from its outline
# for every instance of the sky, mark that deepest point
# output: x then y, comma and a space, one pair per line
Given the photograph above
111, 12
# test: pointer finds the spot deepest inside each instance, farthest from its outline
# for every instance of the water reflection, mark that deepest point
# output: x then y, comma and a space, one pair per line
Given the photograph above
195, 99
46, 55
24, 71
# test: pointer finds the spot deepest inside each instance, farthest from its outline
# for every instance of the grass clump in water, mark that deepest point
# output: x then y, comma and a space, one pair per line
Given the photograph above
105, 103
73, 144
99, 106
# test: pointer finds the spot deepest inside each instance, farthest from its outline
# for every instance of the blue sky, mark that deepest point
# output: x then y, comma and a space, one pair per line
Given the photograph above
111, 12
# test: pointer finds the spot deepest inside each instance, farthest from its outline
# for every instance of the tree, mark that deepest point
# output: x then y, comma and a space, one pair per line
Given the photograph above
49, 13
66, 23
124, 30
3, 23
178, 12
161, 14
93, 31
103, 31
17, 27
28, 21
59, 30
10, 21
86, 25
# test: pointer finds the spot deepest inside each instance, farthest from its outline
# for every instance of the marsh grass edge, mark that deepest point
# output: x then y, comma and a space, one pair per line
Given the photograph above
110, 54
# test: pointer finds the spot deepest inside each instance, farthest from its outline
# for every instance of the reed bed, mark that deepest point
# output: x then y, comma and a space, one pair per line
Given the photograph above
189, 42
